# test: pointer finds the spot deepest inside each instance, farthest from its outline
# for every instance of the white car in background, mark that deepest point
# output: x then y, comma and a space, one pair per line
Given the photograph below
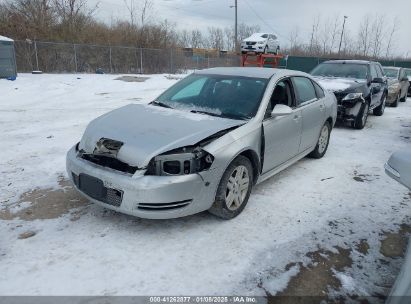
261, 43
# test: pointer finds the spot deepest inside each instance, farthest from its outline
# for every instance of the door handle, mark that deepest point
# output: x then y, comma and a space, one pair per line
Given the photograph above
322, 108
296, 118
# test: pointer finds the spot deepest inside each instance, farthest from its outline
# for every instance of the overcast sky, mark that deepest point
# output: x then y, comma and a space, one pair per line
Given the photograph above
272, 15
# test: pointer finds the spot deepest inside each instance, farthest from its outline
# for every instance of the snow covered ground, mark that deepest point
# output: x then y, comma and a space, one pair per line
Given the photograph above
316, 204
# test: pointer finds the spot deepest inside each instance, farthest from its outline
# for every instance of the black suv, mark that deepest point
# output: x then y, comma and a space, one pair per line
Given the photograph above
360, 86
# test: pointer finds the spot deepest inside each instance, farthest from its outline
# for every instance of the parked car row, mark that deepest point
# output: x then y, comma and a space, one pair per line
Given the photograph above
361, 87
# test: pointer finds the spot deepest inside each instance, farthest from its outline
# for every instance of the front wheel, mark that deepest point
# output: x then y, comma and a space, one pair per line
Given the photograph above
323, 141
379, 111
395, 103
234, 189
265, 50
361, 119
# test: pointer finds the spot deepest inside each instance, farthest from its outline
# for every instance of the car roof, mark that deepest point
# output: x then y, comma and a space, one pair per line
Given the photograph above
252, 72
350, 61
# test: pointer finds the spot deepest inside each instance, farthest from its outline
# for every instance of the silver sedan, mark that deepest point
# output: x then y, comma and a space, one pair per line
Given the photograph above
202, 144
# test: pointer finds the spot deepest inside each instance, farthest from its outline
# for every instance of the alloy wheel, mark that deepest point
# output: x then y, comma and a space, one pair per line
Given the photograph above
237, 188
323, 140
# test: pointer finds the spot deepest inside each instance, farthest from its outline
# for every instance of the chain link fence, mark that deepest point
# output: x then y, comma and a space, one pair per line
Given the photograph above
52, 57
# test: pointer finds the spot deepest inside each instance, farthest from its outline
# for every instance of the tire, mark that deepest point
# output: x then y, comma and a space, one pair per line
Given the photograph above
404, 98
323, 142
228, 208
277, 51
395, 103
379, 111
265, 50
361, 119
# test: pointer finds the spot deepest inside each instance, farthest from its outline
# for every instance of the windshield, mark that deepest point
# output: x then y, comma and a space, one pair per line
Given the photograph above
391, 73
224, 96
340, 70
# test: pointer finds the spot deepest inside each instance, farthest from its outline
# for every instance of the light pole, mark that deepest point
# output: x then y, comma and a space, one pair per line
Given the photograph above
342, 34
235, 6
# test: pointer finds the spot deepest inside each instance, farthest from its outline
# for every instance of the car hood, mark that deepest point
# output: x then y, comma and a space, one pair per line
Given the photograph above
146, 131
339, 85
393, 81
255, 39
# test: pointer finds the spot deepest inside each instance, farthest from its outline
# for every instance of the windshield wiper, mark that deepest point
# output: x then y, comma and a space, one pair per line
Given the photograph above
222, 115
205, 112
161, 104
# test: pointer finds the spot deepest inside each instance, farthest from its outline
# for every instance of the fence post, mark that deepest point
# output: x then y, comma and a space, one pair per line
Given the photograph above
141, 61
37, 58
111, 69
75, 56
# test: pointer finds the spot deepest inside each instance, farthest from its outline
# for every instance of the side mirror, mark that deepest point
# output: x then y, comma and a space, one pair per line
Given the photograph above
281, 110
377, 80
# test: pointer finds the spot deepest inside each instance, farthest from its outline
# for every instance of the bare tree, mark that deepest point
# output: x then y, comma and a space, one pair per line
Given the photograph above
364, 36
391, 39
146, 10
314, 36
184, 38
132, 10
377, 35
216, 38
334, 33
294, 38
197, 40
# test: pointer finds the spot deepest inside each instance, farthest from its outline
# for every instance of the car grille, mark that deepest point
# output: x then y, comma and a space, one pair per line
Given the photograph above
95, 188
164, 206
109, 162
251, 43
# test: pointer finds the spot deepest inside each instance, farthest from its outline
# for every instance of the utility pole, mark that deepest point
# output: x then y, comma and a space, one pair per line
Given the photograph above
235, 6
342, 34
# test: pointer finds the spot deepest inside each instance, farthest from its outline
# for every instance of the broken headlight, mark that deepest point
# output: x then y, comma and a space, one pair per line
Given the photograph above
180, 162
353, 97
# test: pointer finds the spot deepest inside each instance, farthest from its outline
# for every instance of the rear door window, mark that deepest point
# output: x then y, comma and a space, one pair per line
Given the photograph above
304, 90
319, 90
374, 73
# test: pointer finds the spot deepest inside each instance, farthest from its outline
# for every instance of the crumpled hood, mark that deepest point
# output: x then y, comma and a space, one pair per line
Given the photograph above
337, 85
147, 131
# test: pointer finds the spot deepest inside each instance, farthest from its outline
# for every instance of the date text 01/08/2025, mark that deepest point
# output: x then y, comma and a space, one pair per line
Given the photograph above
182, 299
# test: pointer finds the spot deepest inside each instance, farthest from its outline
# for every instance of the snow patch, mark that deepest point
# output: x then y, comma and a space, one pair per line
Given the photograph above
3, 38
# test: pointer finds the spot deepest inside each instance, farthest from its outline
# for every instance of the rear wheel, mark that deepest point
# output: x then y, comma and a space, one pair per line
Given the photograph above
323, 141
379, 111
361, 119
404, 98
395, 103
234, 189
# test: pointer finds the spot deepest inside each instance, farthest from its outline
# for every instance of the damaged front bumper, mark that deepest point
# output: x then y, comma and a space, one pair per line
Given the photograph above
392, 96
153, 197
348, 111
